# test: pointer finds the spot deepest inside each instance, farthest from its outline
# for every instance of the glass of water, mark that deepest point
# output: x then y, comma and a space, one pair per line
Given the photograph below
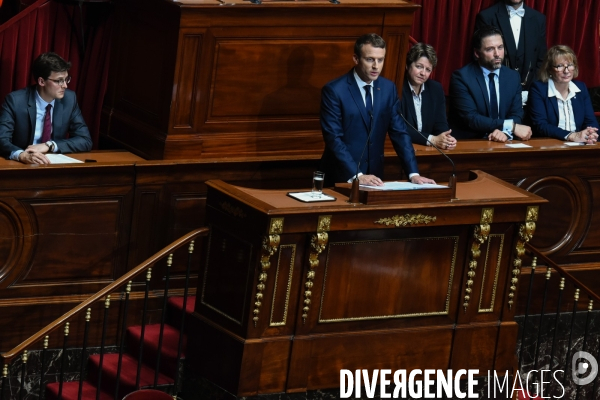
317, 188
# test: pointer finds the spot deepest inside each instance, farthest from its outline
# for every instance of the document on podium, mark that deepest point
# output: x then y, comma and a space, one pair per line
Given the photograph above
405, 186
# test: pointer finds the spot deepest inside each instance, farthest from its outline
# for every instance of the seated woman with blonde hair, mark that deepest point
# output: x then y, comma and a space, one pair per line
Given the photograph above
423, 104
561, 107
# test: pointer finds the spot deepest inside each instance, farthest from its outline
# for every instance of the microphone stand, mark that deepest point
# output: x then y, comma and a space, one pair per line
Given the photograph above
355, 191
452, 180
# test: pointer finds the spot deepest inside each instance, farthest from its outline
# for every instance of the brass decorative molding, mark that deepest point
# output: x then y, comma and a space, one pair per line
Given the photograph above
288, 288
496, 273
269, 247
526, 231
233, 210
276, 226
406, 220
480, 235
318, 243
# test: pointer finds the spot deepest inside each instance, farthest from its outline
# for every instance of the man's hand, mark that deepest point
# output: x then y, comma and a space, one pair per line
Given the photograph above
33, 157
370, 180
498, 136
38, 148
421, 180
445, 140
523, 132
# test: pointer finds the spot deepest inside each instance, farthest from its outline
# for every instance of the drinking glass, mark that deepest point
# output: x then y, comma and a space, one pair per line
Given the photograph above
317, 187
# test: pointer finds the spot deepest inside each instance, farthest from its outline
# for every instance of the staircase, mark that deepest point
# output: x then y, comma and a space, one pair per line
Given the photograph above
107, 377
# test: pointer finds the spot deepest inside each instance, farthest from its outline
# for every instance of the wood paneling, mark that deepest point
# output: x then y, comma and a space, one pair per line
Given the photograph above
237, 81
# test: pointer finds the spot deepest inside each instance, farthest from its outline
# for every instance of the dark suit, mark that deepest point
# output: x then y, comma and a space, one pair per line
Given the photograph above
544, 111
18, 119
345, 125
433, 110
469, 113
528, 58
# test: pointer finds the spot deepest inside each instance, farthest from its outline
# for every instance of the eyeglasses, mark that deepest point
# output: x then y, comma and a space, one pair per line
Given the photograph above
60, 82
561, 67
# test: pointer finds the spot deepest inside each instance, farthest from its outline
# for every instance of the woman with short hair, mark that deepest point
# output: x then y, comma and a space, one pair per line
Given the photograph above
423, 103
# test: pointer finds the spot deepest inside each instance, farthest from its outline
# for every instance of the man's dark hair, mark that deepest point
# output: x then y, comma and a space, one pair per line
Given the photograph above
482, 33
46, 64
370, 38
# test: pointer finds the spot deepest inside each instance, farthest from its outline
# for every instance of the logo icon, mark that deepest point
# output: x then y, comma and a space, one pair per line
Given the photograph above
585, 368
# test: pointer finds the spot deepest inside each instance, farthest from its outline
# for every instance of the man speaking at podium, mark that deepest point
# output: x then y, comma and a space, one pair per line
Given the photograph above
355, 104
35, 121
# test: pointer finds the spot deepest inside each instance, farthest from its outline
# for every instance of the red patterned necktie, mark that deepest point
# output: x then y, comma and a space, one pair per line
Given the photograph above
47, 132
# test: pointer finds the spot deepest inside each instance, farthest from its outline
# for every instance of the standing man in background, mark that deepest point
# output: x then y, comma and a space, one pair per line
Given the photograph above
43, 118
524, 32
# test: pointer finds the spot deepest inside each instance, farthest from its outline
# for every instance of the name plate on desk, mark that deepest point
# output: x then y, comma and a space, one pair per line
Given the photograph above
416, 194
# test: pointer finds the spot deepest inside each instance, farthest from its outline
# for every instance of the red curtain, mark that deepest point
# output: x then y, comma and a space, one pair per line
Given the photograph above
447, 25
51, 26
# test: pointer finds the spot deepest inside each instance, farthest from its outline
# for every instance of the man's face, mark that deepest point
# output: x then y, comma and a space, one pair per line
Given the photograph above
369, 65
50, 89
491, 53
514, 3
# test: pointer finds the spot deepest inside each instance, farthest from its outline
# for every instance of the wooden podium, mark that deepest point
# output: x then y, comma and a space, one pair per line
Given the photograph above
292, 292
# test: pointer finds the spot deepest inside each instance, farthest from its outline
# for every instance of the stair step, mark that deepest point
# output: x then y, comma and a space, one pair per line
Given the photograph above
70, 391
168, 361
128, 374
175, 310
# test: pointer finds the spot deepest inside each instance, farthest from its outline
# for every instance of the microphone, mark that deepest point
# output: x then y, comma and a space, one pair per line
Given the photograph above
452, 180
354, 191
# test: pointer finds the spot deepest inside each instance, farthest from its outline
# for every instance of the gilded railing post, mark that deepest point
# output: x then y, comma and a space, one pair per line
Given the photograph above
480, 235
269, 247
526, 231
318, 243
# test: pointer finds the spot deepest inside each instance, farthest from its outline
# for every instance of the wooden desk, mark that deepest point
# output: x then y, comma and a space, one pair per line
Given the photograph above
569, 225
292, 292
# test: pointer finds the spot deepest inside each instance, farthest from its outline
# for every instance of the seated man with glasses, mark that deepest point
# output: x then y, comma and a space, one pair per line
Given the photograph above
43, 118
560, 106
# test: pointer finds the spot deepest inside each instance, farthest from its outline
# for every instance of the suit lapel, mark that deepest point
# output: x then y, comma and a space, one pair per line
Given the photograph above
56, 117
504, 25
412, 114
32, 111
476, 70
357, 97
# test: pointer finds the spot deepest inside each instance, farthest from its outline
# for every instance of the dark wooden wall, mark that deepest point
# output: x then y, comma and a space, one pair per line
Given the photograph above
199, 80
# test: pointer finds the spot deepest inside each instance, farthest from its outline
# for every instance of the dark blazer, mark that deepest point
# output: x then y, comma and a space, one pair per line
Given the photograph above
433, 110
470, 105
345, 126
18, 117
544, 111
532, 42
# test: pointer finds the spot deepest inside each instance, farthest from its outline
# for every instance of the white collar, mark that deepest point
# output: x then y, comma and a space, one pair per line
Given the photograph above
553, 92
360, 82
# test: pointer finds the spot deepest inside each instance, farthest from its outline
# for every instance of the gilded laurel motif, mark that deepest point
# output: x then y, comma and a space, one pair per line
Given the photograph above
233, 210
276, 227
318, 243
526, 231
480, 235
324, 223
406, 220
269, 247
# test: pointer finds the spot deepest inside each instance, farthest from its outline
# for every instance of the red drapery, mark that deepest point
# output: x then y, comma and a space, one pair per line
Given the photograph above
50, 26
447, 25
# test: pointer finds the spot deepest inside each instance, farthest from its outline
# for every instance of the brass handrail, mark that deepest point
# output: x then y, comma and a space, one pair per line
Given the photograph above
563, 272
9, 355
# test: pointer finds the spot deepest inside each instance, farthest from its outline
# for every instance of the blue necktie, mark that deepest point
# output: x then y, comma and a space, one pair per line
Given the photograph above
493, 97
368, 100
